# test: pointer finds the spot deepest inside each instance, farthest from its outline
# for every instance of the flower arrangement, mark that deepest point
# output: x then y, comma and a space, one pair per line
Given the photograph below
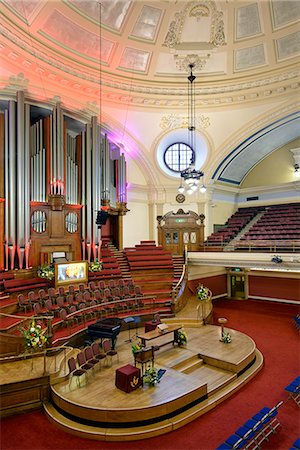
202, 292
276, 259
34, 335
151, 376
136, 347
95, 266
181, 337
226, 337
46, 271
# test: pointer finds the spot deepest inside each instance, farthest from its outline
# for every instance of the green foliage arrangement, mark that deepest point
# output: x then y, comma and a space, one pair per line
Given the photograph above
202, 292
226, 338
151, 376
46, 271
181, 337
34, 335
95, 266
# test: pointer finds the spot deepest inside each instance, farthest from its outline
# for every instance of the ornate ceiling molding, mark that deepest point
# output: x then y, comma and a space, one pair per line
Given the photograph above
197, 9
172, 121
228, 92
183, 62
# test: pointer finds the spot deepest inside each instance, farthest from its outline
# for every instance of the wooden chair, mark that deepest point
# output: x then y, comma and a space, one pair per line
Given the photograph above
76, 372
83, 363
98, 354
23, 304
107, 348
89, 357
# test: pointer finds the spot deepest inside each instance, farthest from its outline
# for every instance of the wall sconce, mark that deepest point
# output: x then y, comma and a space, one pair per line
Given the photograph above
297, 170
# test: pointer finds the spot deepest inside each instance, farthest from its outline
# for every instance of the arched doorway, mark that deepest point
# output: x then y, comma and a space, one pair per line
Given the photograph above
179, 229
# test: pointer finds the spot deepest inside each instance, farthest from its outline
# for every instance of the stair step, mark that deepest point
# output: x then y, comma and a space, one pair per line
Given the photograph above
186, 363
190, 368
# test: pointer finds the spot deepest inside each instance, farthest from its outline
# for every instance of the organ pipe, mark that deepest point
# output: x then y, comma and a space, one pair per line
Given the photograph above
12, 182
106, 170
6, 185
27, 190
83, 197
20, 177
54, 150
88, 186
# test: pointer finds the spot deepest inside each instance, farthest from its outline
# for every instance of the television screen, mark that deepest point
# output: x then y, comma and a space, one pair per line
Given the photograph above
71, 272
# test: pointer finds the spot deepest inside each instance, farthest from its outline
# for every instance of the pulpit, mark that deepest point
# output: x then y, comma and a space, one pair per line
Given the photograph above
144, 356
128, 378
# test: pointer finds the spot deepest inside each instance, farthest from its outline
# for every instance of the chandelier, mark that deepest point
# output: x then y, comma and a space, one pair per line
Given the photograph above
190, 177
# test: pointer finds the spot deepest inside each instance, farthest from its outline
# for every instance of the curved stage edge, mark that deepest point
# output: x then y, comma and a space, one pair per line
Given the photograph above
198, 377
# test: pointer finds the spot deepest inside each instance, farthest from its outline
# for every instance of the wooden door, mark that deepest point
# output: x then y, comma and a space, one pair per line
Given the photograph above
177, 230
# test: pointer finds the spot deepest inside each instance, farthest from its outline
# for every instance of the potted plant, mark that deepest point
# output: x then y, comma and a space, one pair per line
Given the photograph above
95, 266
34, 336
181, 337
226, 337
202, 292
46, 271
151, 376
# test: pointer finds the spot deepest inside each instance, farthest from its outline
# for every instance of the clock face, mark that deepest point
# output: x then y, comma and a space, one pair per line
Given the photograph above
180, 198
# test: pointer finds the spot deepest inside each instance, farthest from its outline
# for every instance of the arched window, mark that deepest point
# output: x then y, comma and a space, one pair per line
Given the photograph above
179, 156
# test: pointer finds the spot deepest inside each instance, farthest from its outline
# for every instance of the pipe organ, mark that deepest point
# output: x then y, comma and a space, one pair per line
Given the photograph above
56, 175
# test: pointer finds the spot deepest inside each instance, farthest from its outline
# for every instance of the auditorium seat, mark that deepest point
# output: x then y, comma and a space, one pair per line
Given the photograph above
293, 389
76, 372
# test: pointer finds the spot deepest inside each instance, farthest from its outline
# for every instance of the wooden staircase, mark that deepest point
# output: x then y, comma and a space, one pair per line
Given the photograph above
178, 262
121, 258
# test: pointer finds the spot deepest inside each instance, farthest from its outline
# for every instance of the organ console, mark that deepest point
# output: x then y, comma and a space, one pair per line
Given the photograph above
106, 328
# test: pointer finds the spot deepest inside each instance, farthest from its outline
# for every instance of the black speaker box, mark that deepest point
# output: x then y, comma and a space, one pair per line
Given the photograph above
101, 217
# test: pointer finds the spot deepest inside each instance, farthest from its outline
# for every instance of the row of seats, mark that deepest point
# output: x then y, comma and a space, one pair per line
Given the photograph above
293, 389
233, 225
89, 359
254, 431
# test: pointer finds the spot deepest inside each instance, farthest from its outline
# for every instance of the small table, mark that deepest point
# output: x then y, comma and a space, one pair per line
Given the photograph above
154, 334
128, 378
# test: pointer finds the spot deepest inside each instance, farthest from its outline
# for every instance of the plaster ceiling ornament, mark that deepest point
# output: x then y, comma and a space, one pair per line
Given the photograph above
172, 121
18, 81
197, 10
183, 62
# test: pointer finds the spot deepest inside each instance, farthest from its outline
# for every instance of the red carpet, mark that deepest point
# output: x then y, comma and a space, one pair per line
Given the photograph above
272, 328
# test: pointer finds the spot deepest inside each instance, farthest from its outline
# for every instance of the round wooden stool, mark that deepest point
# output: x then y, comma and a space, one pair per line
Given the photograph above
222, 321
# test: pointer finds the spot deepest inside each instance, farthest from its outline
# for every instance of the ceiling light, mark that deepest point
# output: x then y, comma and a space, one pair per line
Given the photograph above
190, 175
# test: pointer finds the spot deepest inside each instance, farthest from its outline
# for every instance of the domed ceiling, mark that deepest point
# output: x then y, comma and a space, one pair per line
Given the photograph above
140, 51
119, 59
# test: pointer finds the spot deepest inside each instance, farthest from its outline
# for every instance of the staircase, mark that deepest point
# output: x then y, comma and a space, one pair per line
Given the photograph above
230, 246
178, 262
122, 260
157, 283
188, 365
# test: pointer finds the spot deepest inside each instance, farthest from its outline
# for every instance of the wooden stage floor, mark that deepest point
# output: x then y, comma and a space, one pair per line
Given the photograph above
198, 376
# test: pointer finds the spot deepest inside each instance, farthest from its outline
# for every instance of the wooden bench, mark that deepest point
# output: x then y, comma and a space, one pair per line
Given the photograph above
16, 285
152, 257
5, 276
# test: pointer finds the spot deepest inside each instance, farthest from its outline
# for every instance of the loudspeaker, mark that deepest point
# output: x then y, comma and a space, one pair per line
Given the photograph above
101, 217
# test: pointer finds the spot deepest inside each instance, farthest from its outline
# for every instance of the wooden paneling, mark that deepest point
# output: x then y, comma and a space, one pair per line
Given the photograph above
217, 284
23, 396
274, 287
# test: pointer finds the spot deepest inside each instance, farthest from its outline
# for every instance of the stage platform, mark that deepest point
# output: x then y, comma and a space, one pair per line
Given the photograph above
198, 377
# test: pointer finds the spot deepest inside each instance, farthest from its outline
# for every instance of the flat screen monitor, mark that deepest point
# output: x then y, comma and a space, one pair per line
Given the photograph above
71, 272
